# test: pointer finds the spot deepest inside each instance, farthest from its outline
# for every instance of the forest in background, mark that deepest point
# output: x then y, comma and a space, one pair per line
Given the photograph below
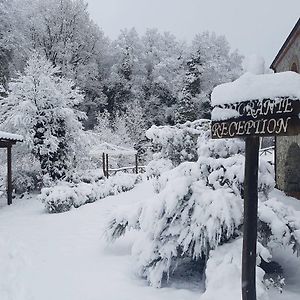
66, 87
129, 83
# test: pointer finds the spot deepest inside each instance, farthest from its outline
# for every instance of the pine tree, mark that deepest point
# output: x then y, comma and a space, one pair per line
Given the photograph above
210, 63
186, 108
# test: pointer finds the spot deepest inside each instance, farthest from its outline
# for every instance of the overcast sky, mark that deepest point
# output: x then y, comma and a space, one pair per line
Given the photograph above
252, 26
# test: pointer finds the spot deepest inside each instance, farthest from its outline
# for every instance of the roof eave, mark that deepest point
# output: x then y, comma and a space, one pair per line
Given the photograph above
285, 44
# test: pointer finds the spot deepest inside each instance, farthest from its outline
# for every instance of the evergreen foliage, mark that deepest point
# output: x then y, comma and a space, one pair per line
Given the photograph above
41, 107
198, 208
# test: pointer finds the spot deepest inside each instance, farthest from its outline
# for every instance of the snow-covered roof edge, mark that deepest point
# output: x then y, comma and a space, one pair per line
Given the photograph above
10, 136
253, 87
289, 40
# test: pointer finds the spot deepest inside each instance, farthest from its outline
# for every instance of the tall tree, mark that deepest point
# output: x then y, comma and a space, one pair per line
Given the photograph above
41, 107
122, 86
210, 64
62, 31
162, 58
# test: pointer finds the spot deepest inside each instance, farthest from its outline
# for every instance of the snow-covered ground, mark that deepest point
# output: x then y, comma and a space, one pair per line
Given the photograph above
64, 257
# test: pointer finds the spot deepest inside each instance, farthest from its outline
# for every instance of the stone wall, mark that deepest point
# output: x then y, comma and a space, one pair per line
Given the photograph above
287, 163
287, 153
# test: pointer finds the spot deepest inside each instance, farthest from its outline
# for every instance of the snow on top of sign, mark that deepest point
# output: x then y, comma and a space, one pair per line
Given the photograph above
10, 136
250, 87
220, 114
254, 64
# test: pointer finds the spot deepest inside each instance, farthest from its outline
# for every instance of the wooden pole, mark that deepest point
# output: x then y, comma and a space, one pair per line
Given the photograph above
103, 164
9, 176
107, 175
250, 219
136, 164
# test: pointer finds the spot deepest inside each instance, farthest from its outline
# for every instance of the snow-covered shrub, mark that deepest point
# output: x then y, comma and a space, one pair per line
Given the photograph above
64, 195
26, 181
224, 269
87, 175
178, 143
59, 198
279, 225
198, 208
157, 166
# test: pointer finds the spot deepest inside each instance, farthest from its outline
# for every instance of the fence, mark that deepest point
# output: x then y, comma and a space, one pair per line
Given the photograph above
129, 169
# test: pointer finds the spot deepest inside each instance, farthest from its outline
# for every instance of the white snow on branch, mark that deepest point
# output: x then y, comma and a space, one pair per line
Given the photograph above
252, 87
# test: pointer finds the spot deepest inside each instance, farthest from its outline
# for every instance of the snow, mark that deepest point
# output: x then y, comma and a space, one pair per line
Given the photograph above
254, 64
226, 283
251, 87
220, 114
62, 256
10, 136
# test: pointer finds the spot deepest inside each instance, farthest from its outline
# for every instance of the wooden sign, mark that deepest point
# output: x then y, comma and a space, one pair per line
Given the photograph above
268, 117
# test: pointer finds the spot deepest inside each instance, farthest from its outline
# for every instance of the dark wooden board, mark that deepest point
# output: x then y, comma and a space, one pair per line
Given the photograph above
259, 118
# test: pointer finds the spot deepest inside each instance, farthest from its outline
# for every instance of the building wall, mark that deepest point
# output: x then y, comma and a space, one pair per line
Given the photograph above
287, 153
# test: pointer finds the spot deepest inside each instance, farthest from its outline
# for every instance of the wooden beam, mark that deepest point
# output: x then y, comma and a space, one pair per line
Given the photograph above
250, 219
136, 164
9, 176
103, 164
6, 143
107, 175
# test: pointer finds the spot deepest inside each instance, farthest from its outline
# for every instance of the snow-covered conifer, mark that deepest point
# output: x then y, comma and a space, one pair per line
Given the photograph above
41, 107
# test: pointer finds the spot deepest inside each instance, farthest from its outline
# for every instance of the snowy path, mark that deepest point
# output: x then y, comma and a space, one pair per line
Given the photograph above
62, 256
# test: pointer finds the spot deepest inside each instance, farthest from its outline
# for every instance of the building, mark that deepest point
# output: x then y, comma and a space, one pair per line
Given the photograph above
287, 149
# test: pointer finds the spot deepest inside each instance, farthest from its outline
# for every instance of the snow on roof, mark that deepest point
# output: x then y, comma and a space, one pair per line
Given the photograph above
112, 150
252, 87
10, 136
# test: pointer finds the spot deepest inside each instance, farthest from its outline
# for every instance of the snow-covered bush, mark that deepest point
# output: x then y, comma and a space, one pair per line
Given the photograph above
86, 175
64, 195
157, 166
59, 198
199, 207
224, 269
26, 181
178, 143
279, 225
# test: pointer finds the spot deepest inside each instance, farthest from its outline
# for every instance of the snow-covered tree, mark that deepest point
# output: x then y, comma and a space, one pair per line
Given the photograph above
12, 41
162, 59
63, 31
113, 130
135, 121
210, 63
41, 107
121, 87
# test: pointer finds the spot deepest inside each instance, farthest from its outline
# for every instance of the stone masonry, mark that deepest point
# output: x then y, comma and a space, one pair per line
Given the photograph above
287, 158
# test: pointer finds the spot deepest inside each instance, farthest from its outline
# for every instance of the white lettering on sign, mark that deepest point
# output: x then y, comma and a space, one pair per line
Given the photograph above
261, 108
251, 127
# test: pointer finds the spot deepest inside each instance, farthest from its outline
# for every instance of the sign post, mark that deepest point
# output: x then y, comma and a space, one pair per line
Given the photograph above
250, 219
250, 120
